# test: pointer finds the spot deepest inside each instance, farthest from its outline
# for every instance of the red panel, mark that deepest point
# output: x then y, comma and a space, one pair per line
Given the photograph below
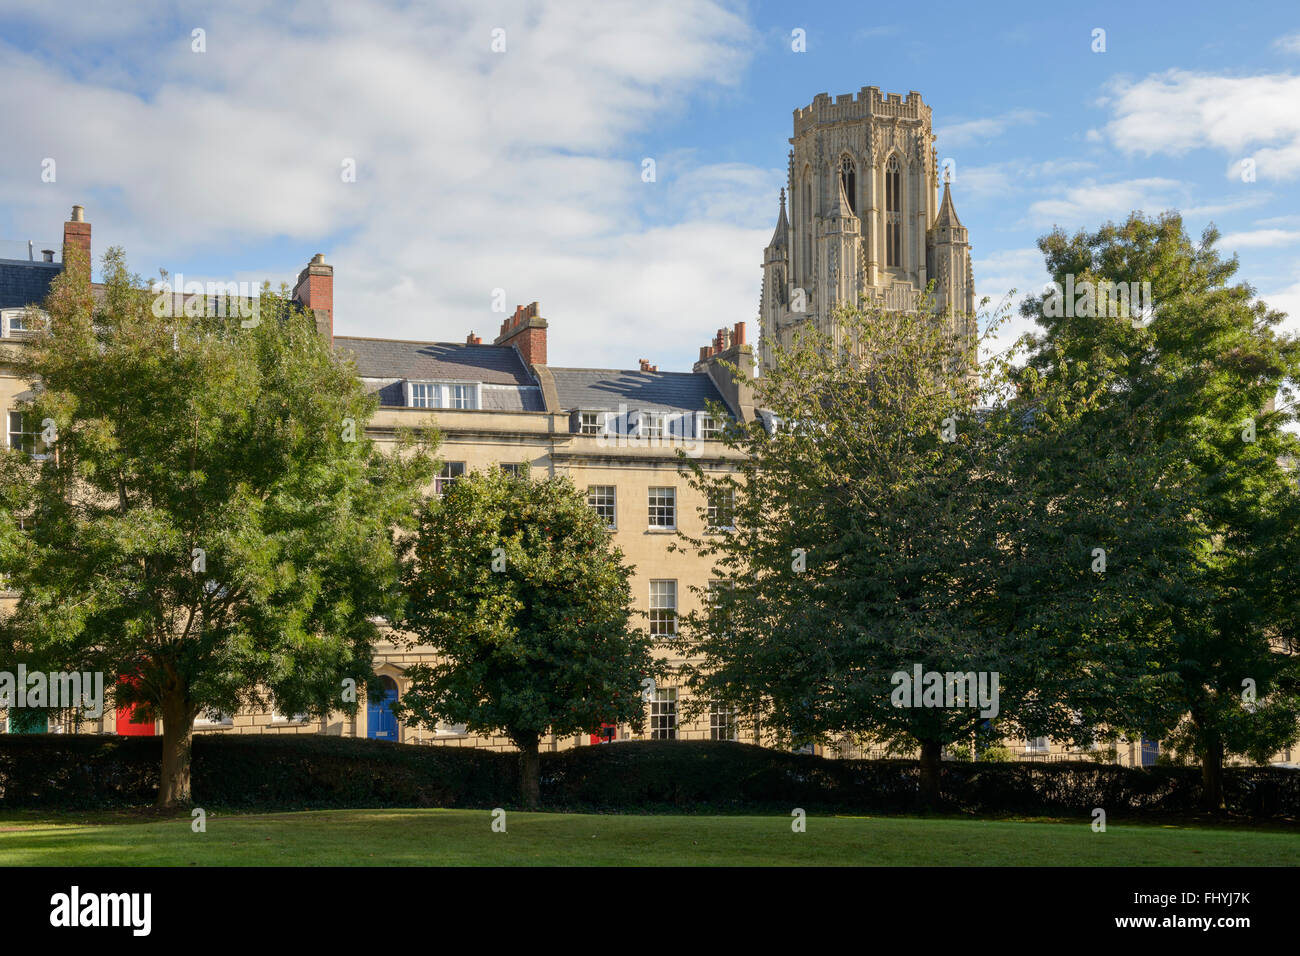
134, 721
605, 729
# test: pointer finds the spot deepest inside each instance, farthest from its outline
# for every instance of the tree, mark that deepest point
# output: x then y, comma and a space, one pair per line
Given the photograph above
874, 517
209, 522
518, 590
1188, 378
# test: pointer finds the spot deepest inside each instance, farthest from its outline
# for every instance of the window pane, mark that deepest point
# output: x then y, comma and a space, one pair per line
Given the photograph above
722, 506
663, 507
451, 470
663, 714
602, 498
663, 608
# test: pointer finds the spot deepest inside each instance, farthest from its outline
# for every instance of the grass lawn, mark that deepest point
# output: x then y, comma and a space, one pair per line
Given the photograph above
465, 838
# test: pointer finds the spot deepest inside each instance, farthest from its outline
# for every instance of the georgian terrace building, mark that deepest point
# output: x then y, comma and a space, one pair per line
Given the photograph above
614, 432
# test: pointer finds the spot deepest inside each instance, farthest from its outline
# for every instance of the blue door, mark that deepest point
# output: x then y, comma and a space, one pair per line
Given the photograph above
380, 722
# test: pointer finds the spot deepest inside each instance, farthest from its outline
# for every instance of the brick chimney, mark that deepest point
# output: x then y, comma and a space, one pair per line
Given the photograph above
315, 290
526, 331
76, 240
473, 339
647, 367
729, 346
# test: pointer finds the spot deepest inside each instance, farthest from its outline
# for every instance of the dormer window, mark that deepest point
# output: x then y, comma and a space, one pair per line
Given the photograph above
463, 396
15, 323
591, 423
425, 396
709, 427
651, 425
452, 395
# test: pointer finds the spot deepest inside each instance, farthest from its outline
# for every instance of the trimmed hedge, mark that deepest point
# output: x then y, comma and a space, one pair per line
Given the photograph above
245, 771
311, 771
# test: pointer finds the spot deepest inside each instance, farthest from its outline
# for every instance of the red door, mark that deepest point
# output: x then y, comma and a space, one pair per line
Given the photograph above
607, 733
136, 721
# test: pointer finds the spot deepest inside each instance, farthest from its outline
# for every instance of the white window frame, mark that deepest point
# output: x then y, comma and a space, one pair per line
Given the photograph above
1037, 745
612, 522
651, 424
441, 482
725, 720
593, 423
651, 497
36, 435
663, 598
464, 397
441, 395
712, 509
663, 707
429, 395
9, 316
707, 427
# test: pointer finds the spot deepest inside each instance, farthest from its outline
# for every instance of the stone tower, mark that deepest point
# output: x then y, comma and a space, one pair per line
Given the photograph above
866, 223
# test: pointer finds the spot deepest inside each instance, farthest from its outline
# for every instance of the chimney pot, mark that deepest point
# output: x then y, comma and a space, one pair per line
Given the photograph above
318, 259
78, 214
48, 255
738, 336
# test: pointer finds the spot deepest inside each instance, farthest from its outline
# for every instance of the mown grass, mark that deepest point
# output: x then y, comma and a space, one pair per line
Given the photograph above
466, 838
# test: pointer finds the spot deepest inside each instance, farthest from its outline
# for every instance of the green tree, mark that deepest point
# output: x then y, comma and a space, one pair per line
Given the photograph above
874, 517
1183, 391
517, 588
208, 520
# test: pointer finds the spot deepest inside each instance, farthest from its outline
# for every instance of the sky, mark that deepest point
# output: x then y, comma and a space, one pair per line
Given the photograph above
520, 168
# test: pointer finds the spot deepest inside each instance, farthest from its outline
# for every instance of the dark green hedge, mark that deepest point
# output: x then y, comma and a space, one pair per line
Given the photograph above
311, 771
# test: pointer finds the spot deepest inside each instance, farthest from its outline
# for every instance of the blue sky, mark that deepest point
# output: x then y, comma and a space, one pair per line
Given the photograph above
521, 169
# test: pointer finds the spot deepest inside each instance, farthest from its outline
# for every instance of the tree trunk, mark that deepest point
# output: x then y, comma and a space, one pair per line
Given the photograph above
178, 736
931, 752
529, 788
1212, 775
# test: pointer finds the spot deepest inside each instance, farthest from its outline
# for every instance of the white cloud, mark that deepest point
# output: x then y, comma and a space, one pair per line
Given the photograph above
1091, 203
1288, 44
1247, 117
981, 130
1259, 238
475, 170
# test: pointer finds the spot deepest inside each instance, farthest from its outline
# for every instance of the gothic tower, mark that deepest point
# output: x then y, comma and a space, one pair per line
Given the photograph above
866, 224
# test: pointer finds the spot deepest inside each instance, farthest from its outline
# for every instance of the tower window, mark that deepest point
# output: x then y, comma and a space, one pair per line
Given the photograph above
893, 214
849, 177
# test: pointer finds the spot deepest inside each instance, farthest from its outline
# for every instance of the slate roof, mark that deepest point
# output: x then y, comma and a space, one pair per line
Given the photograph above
24, 283
605, 389
446, 361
